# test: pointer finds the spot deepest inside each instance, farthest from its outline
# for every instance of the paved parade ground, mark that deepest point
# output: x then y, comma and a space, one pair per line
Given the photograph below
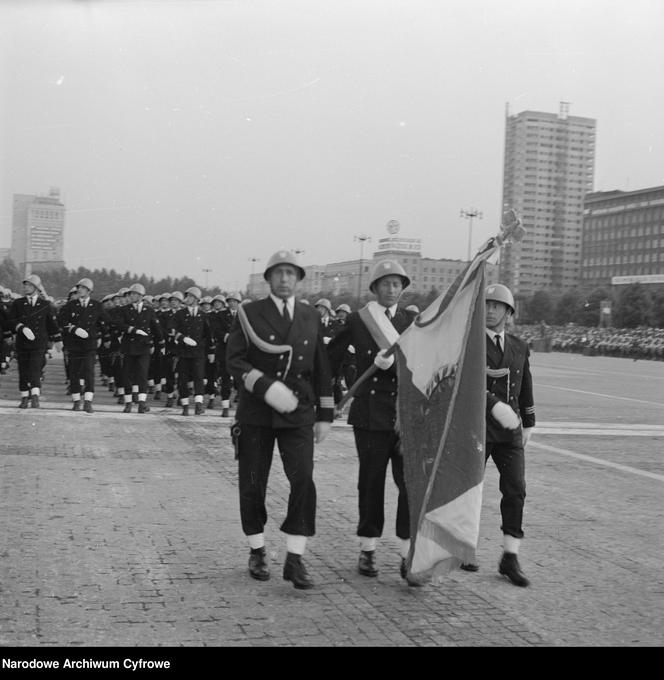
123, 530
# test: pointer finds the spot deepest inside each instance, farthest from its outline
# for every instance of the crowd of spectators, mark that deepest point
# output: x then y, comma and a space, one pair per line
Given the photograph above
634, 343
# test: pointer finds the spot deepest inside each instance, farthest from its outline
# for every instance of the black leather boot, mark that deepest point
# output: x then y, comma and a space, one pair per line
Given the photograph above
296, 572
258, 567
509, 566
366, 564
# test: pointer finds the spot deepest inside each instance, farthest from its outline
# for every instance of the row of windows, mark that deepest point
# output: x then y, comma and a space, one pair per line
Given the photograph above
619, 246
625, 259
46, 214
607, 273
654, 215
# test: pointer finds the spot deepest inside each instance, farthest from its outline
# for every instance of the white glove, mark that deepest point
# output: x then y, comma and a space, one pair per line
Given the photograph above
326, 339
505, 416
81, 333
351, 349
526, 435
321, 430
382, 361
141, 332
28, 333
210, 358
280, 397
189, 341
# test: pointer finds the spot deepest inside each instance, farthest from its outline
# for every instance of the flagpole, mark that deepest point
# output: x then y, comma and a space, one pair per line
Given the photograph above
510, 229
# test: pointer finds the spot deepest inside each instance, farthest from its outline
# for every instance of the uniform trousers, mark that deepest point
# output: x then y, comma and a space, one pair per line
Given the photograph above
510, 462
30, 366
168, 371
116, 367
135, 372
225, 380
255, 449
375, 449
82, 366
210, 377
105, 366
190, 369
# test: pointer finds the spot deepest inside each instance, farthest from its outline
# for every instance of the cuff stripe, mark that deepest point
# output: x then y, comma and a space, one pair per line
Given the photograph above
252, 378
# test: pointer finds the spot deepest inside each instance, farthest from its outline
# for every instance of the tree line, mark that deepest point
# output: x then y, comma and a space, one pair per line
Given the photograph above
632, 305
58, 282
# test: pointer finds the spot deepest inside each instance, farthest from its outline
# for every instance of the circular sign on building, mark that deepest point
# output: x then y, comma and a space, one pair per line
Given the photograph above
393, 226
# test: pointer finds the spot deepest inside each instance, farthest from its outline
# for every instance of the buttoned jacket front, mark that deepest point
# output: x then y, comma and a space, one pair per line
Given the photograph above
40, 319
92, 318
374, 404
509, 380
129, 320
196, 327
302, 364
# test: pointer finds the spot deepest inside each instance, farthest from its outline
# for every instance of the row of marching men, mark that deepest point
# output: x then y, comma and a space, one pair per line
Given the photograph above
170, 343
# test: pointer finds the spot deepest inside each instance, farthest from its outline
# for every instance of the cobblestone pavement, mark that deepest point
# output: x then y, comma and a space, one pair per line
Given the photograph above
123, 530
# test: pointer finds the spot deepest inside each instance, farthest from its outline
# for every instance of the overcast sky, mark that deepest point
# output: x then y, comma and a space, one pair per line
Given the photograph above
196, 134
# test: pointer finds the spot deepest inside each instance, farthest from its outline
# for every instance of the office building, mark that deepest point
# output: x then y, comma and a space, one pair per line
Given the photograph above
623, 237
548, 170
38, 232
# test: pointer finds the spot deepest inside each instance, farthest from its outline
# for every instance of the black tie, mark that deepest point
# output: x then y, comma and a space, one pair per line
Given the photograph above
500, 349
387, 313
286, 312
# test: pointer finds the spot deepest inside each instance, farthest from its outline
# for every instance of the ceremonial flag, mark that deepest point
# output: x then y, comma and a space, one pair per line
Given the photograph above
441, 404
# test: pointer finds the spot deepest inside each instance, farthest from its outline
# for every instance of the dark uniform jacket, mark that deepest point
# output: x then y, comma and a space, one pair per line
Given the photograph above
40, 319
302, 364
196, 327
129, 320
374, 405
508, 380
5, 335
93, 318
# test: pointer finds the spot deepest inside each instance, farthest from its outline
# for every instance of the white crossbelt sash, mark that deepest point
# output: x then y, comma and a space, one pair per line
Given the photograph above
378, 325
252, 337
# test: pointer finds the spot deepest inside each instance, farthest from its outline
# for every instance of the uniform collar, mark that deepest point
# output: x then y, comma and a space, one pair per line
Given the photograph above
492, 336
280, 304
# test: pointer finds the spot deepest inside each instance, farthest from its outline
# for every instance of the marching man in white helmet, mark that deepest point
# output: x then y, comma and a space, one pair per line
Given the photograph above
141, 333
192, 337
510, 420
86, 323
371, 330
276, 355
33, 321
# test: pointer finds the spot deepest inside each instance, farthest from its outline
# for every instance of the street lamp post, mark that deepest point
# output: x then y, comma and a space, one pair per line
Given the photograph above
361, 238
469, 214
